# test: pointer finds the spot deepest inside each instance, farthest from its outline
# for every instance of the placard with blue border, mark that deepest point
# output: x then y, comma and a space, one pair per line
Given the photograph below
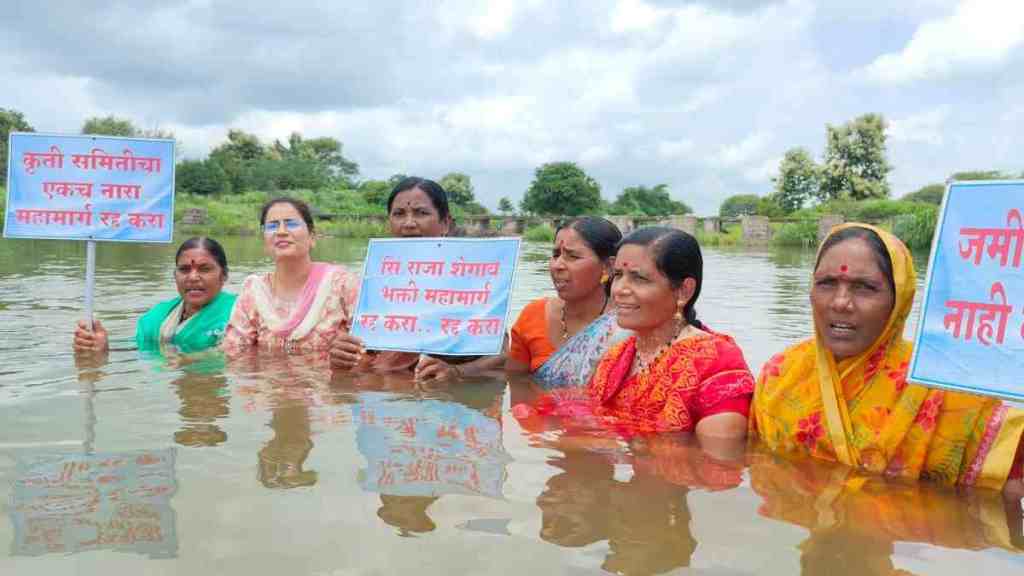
971, 334
63, 503
85, 187
436, 295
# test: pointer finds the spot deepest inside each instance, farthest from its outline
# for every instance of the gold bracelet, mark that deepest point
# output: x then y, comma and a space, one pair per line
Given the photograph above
458, 372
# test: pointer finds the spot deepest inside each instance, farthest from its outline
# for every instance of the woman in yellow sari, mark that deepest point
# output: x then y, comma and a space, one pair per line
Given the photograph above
843, 395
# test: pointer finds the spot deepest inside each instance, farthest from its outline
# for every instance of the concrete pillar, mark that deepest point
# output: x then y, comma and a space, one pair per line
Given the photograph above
826, 222
756, 229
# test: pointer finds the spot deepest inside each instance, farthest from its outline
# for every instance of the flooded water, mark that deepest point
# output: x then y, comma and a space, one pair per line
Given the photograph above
144, 465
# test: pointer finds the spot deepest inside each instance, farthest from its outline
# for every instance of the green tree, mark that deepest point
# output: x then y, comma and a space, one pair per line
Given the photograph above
203, 177
982, 175
562, 189
459, 188
326, 151
10, 121
238, 157
855, 166
474, 207
767, 206
505, 206
644, 201
798, 182
110, 126
375, 192
930, 194
739, 205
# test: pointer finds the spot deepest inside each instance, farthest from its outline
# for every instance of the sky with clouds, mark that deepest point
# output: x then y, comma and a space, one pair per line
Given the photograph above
703, 96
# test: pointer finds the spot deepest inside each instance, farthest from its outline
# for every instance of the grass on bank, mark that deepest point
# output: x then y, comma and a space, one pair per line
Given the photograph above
540, 233
730, 236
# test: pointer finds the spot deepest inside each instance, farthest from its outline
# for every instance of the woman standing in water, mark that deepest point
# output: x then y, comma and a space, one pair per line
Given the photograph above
417, 208
300, 306
673, 374
843, 394
191, 321
559, 340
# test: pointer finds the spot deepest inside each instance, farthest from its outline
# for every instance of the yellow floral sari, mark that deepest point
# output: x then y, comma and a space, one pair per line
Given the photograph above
863, 412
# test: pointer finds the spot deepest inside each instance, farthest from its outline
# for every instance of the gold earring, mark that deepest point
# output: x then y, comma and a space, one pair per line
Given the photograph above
678, 316
604, 278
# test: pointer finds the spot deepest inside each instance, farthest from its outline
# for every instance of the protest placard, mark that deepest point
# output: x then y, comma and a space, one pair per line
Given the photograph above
428, 447
436, 295
67, 503
971, 333
85, 187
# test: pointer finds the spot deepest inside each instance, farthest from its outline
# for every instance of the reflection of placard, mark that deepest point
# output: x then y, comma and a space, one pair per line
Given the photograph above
90, 187
428, 448
437, 295
66, 503
971, 333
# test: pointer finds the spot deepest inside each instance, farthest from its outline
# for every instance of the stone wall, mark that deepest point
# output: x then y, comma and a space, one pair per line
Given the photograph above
756, 229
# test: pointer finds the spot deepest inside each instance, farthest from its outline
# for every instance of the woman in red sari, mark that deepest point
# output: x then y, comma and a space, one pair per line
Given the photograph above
674, 374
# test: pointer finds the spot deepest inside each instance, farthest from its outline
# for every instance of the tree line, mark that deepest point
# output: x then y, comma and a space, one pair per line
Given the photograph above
853, 169
244, 163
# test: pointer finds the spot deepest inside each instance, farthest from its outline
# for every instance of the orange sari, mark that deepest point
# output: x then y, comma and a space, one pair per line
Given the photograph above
696, 377
862, 411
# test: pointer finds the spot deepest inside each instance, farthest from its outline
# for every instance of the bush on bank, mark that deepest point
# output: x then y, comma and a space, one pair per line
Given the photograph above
912, 222
541, 233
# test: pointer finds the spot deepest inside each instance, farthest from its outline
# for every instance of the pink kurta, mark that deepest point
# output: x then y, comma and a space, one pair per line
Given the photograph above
262, 321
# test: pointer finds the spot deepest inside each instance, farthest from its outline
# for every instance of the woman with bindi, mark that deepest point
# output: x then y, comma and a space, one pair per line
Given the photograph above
843, 395
193, 320
417, 208
672, 373
560, 339
300, 306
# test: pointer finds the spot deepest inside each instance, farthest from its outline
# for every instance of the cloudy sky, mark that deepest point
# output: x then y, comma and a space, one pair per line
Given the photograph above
704, 96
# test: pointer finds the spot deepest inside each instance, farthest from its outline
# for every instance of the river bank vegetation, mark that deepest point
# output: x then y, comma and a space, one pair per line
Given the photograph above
238, 175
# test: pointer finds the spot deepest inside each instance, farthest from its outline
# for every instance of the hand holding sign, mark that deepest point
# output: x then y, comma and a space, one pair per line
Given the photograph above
445, 296
346, 350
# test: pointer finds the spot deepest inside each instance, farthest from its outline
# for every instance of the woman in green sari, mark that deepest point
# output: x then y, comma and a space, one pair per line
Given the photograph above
192, 321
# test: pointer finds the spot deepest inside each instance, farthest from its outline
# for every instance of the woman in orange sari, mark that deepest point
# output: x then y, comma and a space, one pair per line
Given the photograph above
673, 374
843, 395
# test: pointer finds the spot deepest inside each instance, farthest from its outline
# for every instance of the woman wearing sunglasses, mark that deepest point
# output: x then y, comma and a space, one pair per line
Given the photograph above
299, 307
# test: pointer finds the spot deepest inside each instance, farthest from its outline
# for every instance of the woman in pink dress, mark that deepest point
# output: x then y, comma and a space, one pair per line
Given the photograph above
298, 308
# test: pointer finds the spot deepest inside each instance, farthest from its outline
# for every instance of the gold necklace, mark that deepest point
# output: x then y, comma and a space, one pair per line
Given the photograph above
565, 331
642, 364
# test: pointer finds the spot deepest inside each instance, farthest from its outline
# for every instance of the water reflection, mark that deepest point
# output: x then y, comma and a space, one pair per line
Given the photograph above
855, 521
645, 519
68, 503
419, 449
204, 400
281, 460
